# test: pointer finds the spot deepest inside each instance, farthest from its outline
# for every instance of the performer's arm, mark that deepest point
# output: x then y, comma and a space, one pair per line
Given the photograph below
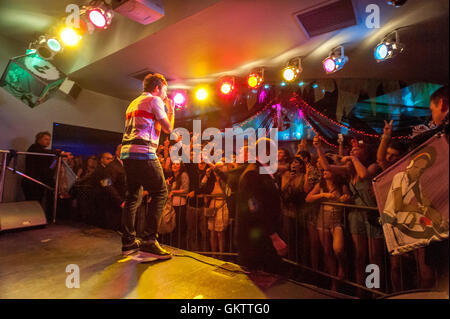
168, 122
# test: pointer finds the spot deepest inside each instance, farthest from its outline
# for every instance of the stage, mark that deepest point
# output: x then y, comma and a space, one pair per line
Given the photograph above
33, 265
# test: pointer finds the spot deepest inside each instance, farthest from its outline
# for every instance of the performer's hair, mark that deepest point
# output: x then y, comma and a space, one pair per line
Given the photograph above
441, 93
152, 81
41, 134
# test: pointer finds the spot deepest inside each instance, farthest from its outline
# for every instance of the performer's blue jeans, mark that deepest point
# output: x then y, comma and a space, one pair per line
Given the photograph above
147, 174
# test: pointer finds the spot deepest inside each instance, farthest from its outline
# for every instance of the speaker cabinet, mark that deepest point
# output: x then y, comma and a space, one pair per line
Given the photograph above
70, 88
21, 215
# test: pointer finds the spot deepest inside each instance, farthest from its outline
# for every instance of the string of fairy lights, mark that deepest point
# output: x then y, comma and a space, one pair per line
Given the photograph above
303, 105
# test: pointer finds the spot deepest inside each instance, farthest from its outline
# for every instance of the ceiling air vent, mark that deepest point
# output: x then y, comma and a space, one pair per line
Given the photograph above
332, 16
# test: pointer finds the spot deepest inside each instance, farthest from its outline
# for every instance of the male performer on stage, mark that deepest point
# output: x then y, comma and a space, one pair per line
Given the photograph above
145, 117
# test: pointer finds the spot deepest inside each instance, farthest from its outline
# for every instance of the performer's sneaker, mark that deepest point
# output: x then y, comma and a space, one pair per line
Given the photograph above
153, 248
131, 248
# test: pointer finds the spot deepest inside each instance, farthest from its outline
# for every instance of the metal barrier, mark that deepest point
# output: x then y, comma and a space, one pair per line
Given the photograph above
195, 225
301, 243
5, 167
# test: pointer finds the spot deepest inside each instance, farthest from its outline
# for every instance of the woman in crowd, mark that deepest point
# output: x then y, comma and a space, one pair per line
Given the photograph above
196, 221
364, 226
179, 184
78, 165
308, 214
218, 217
330, 223
284, 160
83, 190
292, 195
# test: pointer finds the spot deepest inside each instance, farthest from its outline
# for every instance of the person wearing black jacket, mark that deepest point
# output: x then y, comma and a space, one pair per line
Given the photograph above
38, 167
117, 190
258, 220
102, 185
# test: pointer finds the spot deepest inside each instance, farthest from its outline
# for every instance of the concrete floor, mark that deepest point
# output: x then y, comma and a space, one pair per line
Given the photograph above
33, 265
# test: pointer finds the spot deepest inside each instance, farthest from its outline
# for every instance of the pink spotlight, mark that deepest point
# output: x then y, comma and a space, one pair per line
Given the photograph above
179, 99
329, 65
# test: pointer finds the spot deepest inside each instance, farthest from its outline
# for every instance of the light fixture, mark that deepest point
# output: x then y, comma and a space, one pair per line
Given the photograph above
46, 47
227, 85
396, 3
255, 78
69, 36
179, 98
292, 69
388, 48
335, 60
99, 14
201, 94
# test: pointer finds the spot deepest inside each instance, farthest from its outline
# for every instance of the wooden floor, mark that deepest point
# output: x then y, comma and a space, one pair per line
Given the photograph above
33, 265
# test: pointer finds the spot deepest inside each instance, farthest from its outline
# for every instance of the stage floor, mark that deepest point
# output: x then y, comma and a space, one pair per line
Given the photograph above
33, 265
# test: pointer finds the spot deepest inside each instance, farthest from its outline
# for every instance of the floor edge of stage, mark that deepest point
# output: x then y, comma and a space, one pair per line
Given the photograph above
40, 263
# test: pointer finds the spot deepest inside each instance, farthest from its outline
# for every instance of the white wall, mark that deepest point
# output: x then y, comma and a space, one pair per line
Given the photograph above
19, 123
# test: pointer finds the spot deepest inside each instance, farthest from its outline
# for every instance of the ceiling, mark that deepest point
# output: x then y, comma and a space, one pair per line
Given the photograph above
199, 41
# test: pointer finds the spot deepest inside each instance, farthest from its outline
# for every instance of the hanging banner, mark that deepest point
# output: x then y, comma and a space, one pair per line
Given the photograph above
412, 197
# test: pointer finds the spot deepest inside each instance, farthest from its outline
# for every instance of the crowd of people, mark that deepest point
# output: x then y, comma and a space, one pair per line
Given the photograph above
332, 238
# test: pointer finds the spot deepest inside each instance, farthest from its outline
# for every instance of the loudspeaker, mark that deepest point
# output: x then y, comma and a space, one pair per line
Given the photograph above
70, 88
21, 215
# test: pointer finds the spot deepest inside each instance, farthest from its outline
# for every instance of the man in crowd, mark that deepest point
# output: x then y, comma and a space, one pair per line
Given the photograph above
38, 167
117, 190
439, 114
259, 219
101, 184
145, 117
434, 259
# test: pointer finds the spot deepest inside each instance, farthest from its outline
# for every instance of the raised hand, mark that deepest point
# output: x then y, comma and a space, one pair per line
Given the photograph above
387, 130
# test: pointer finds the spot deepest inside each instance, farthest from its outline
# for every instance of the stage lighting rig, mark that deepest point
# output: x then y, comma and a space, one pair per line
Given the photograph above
227, 85
99, 14
389, 47
201, 93
292, 69
335, 61
255, 78
46, 47
69, 36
